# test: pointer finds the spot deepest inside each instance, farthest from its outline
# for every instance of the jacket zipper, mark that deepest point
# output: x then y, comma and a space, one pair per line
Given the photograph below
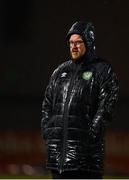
65, 120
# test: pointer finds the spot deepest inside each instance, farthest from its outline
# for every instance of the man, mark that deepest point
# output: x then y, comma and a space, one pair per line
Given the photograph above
79, 102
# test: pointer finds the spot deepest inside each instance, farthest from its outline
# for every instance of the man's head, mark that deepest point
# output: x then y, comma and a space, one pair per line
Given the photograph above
83, 34
77, 46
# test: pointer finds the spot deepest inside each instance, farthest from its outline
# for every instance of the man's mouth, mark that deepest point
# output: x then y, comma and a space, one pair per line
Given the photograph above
74, 51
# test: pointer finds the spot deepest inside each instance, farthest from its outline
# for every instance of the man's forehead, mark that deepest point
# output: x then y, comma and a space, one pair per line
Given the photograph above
75, 36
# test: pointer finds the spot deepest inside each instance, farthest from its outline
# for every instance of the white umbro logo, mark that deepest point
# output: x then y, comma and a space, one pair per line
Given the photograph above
63, 74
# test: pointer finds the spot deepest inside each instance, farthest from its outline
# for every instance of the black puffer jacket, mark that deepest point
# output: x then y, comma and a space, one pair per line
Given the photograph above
78, 104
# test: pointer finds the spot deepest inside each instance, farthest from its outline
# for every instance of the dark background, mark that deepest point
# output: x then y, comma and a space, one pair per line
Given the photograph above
32, 44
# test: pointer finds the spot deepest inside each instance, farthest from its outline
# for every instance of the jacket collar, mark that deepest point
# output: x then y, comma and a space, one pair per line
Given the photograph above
88, 57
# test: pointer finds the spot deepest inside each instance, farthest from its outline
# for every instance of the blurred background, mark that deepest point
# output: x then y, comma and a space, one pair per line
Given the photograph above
32, 45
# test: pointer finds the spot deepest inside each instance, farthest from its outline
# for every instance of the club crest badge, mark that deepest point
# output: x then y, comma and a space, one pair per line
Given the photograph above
87, 75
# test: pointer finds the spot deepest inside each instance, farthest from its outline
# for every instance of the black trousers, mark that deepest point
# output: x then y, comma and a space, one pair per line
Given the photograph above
76, 175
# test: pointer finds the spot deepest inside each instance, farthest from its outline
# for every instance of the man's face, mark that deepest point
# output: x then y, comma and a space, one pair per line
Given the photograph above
77, 47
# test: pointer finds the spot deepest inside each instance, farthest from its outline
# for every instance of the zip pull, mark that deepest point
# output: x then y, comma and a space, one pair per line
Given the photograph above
60, 171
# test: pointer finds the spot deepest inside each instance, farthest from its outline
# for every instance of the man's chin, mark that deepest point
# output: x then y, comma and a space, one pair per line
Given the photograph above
75, 58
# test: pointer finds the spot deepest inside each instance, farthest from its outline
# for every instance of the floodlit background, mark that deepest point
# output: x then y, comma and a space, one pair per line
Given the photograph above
32, 44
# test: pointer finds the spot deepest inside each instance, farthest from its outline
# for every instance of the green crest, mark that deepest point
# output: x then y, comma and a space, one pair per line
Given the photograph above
87, 75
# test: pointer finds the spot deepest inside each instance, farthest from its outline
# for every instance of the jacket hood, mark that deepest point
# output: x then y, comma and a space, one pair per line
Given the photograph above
86, 30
